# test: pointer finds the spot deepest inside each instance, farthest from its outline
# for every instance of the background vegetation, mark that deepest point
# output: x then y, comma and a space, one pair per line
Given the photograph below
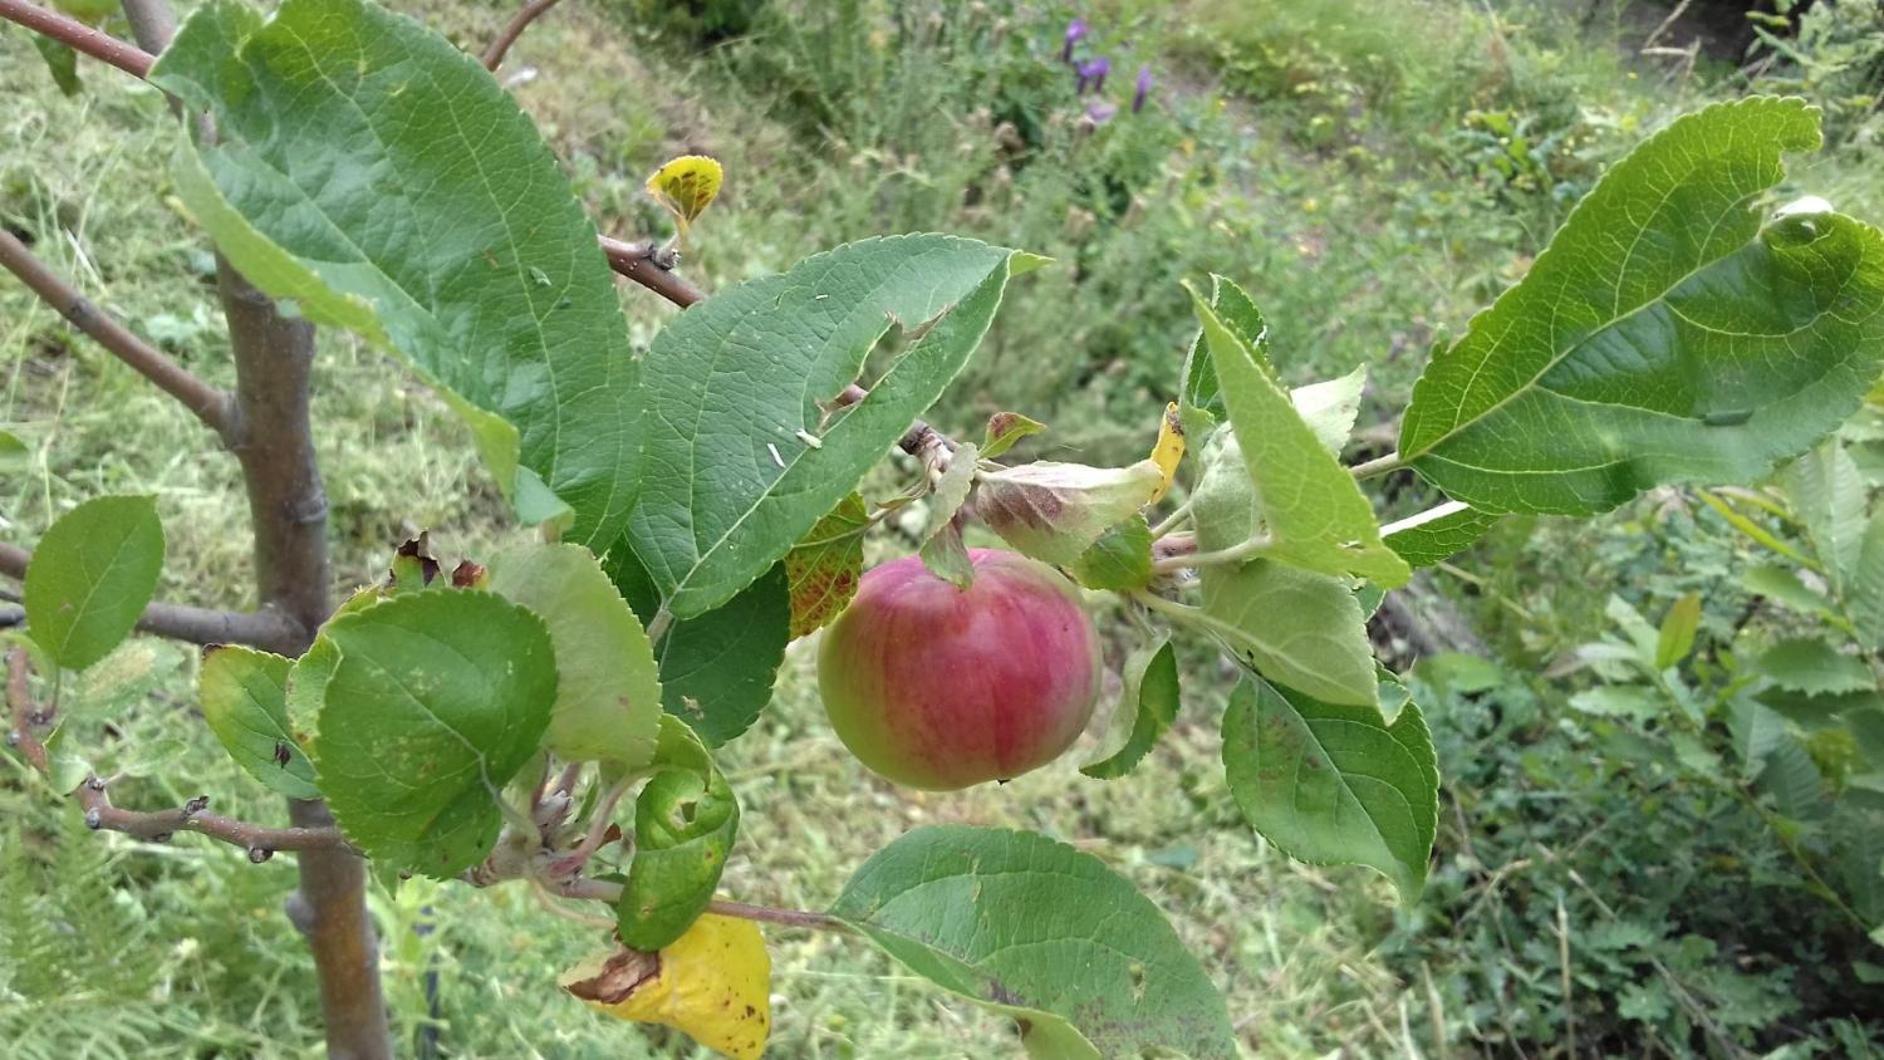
1612, 876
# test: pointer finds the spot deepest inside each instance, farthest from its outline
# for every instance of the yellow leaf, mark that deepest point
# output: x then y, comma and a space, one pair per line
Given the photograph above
686, 186
1169, 450
713, 984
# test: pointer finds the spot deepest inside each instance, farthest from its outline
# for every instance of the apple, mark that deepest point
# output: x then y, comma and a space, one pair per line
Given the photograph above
938, 687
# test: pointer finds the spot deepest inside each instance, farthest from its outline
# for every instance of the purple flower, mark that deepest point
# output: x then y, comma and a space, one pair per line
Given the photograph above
1076, 31
1098, 112
1143, 90
1092, 74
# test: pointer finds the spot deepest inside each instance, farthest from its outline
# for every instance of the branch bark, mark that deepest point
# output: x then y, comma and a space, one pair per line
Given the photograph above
80, 37
643, 263
269, 628
210, 404
494, 55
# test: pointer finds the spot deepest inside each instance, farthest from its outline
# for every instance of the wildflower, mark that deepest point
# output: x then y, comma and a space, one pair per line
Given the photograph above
1076, 31
1143, 90
1098, 112
1092, 74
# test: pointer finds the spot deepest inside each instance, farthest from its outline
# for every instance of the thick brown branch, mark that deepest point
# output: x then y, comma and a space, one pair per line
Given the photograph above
269, 628
80, 37
210, 404
644, 264
494, 55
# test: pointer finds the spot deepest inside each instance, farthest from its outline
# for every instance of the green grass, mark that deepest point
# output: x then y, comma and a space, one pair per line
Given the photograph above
1368, 212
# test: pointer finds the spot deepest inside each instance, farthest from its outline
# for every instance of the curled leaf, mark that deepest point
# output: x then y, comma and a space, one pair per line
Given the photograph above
1005, 431
712, 984
1169, 448
1054, 512
685, 821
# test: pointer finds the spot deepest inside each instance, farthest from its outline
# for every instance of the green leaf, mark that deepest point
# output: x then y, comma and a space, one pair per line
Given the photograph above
1815, 667
1437, 534
244, 695
1312, 509
717, 669
61, 63
1757, 730
1679, 626
744, 458
91, 576
1330, 408
1864, 589
1030, 927
433, 702
1334, 785
1783, 585
608, 697
1666, 335
372, 172
1295, 626
1005, 431
14, 453
685, 821
1239, 313
1120, 560
823, 568
1828, 495
1054, 512
1149, 705
942, 549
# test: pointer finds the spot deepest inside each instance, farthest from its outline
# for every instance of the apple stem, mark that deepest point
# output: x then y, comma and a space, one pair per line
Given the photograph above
1235, 555
1177, 518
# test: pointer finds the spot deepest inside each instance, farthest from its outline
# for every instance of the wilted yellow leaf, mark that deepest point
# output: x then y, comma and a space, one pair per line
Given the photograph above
713, 984
1169, 450
686, 186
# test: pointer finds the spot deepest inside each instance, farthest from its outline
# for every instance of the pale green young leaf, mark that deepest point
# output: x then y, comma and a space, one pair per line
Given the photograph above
1295, 626
1032, 928
1668, 334
378, 176
91, 576
608, 695
244, 696
943, 550
747, 452
433, 701
1312, 509
1054, 512
1675, 639
1239, 313
1437, 534
1334, 785
1330, 408
1147, 707
824, 567
1864, 589
717, 669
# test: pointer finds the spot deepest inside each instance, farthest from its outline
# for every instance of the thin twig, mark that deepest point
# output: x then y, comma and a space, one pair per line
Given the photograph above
159, 825
494, 55
20, 713
268, 628
210, 404
78, 36
1235, 555
646, 264
1380, 465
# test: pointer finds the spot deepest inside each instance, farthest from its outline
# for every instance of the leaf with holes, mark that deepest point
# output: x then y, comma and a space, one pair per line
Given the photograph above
1036, 930
377, 176
748, 452
91, 576
1331, 784
685, 821
1669, 333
